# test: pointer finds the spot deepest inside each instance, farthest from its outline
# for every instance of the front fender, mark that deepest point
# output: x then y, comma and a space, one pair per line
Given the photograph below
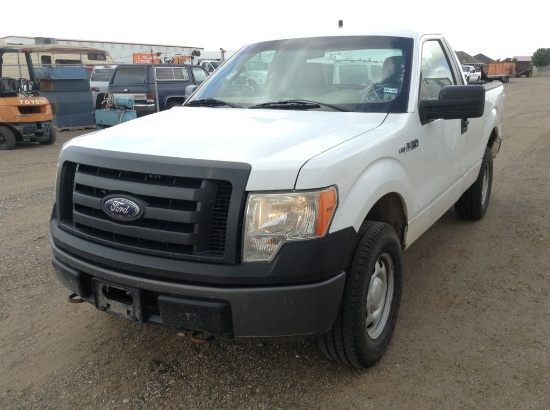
382, 177
357, 195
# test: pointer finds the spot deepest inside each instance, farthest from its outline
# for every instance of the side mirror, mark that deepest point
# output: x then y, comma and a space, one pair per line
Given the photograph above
454, 102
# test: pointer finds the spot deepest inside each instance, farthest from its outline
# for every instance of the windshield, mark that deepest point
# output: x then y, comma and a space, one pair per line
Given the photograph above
348, 73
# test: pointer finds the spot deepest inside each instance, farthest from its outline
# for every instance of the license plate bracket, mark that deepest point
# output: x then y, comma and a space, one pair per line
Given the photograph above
121, 301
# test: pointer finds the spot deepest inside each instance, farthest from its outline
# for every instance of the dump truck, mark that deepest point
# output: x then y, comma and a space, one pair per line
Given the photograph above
25, 116
524, 68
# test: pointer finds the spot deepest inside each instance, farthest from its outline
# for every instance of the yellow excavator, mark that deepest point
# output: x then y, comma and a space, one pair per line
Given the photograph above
25, 116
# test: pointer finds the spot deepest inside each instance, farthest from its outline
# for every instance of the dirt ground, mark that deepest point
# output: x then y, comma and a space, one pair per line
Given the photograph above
473, 330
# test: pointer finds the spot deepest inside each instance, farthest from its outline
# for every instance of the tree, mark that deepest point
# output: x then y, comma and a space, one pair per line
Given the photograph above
541, 57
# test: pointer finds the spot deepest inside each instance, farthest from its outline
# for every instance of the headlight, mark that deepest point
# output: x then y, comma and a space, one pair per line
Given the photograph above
273, 219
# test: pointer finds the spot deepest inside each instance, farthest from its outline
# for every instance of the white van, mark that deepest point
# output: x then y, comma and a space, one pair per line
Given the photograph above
356, 72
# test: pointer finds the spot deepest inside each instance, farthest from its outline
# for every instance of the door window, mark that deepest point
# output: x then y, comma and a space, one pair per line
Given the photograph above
199, 74
436, 72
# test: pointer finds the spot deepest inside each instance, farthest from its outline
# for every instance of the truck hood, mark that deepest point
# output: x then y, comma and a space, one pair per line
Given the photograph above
268, 140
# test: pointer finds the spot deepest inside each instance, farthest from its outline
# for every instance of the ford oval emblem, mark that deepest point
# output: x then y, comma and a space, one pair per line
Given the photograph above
123, 209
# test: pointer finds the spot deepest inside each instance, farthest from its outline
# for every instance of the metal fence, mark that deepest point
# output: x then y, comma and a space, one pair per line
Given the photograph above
542, 71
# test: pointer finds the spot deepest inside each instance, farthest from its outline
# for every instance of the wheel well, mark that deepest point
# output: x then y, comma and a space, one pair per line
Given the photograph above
390, 210
492, 138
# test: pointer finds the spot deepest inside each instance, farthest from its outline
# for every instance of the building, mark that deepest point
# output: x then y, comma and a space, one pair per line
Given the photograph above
120, 52
467, 59
484, 59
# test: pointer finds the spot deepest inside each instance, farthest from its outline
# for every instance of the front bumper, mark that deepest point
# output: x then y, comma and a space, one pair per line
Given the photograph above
273, 311
34, 131
298, 294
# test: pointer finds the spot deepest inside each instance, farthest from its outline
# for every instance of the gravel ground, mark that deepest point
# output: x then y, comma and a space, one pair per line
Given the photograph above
473, 330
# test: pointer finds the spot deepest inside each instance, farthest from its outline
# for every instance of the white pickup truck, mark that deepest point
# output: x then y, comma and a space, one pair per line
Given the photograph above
470, 73
289, 213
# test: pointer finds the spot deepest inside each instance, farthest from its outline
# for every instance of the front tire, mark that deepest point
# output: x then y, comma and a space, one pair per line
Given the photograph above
7, 139
474, 202
370, 305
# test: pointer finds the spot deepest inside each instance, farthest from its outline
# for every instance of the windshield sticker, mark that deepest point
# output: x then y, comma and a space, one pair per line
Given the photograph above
389, 90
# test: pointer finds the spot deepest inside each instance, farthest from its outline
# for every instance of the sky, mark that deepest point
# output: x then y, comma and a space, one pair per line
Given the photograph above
497, 30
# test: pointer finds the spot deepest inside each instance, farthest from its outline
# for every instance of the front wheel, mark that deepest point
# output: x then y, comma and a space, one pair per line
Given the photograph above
474, 202
370, 304
7, 139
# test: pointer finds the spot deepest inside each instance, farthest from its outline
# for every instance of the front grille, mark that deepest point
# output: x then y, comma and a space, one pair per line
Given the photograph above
184, 217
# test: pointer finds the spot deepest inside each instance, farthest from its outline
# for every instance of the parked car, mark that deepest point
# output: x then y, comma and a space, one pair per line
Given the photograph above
99, 82
155, 87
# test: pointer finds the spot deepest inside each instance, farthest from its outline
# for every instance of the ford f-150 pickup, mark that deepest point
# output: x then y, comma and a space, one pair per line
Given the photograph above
288, 214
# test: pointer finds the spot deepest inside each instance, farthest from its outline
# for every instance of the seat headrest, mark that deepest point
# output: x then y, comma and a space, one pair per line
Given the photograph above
391, 70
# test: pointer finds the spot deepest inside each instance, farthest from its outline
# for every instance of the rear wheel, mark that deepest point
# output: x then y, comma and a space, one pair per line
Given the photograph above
7, 138
474, 202
370, 304
53, 137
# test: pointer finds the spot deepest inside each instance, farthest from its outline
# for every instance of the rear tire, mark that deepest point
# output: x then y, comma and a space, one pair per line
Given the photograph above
370, 304
7, 139
474, 202
53, 137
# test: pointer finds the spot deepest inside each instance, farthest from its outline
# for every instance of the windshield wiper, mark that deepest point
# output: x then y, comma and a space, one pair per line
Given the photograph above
211, 102
296, 105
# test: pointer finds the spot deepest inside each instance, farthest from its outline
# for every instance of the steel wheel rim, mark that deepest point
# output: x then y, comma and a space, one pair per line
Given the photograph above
379, 296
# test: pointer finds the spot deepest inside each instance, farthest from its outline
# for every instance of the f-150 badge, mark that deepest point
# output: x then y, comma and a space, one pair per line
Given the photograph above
408, 146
